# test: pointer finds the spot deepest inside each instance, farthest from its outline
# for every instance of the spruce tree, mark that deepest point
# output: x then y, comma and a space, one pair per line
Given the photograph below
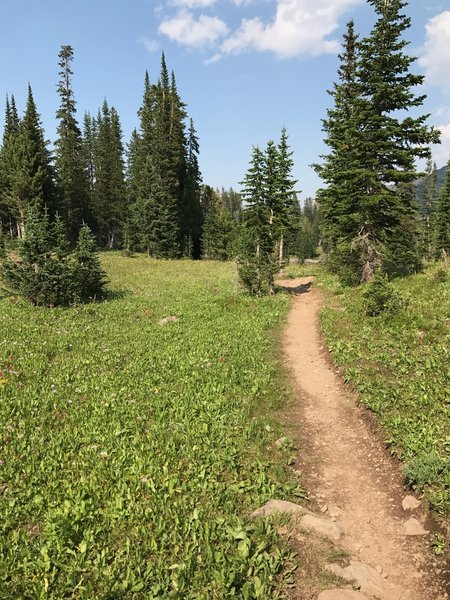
134, 232
29, 179
7, 165
428, 211
287, 213
109, 190
71, 169
257, 264
49, 273
191, 211
391, 143
368, 202
159, 174
443, 219
88, 142
341, 168
221, 216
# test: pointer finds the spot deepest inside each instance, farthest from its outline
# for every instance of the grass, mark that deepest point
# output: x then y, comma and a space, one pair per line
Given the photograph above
399, 364
132, 452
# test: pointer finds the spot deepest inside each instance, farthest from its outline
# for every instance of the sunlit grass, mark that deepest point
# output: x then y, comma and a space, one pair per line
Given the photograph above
132, 451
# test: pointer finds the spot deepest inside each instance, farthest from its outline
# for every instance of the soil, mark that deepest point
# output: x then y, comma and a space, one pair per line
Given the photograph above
347, 470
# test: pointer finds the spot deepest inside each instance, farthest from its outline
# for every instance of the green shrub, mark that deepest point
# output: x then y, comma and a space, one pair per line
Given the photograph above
426, 470
46, 272
257, 275
380, 296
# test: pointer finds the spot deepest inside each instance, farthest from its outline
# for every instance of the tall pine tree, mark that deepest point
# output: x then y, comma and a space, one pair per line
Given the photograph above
428, 211
7, 158
368, 208
191, 211
341, 168
71, 169
443, 219
163, 176
109, 192
29, 173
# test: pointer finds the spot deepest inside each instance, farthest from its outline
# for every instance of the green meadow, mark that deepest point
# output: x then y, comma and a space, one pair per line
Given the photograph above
133, 451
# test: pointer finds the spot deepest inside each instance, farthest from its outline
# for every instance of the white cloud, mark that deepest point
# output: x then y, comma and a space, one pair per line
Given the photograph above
150, 45
436, 51
193, 3
441, 152
186, 30
299, 27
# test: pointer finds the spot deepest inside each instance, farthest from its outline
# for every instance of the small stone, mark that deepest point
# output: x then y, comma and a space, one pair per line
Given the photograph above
279, 506
410, 503
337, 570
322, 526
324, 509
371, 582
335, 511
379, 569
166, 320
414, 528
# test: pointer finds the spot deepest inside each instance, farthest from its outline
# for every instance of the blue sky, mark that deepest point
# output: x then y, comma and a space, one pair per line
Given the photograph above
246, 68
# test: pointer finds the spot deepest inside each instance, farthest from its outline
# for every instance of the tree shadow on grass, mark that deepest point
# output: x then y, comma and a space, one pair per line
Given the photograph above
295, 290
116, 295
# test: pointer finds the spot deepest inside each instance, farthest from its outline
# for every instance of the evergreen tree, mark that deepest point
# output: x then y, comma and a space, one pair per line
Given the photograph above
341, 168
392, 143
163, 174
109, 193
221, 223
232, 202
89, 139
287, 212
191, 211
443, 219
71, 169
257, 264
27, 164
7, 160
48, 273
428, 211
88, 275
134, 233
371, 167
304, 241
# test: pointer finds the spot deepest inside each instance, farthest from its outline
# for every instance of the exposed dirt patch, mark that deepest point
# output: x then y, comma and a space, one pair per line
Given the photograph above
347, 470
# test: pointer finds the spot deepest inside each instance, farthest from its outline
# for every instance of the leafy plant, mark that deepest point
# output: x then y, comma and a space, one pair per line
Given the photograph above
439, 544
130, 457
426, 469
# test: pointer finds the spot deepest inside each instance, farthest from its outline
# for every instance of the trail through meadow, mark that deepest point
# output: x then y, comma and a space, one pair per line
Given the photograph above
350, 476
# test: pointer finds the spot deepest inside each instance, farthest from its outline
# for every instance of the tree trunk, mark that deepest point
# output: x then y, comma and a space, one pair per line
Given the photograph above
281, 250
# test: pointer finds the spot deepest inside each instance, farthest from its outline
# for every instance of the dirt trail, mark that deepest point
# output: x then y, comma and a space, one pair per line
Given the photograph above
348, 472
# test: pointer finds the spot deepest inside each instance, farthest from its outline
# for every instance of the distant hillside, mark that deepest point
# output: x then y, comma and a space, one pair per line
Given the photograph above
421, 184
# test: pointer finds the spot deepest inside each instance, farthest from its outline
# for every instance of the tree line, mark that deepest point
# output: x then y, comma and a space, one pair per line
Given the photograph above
146, 195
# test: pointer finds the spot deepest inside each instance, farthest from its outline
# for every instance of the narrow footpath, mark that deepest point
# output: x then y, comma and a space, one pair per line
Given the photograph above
348, 473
